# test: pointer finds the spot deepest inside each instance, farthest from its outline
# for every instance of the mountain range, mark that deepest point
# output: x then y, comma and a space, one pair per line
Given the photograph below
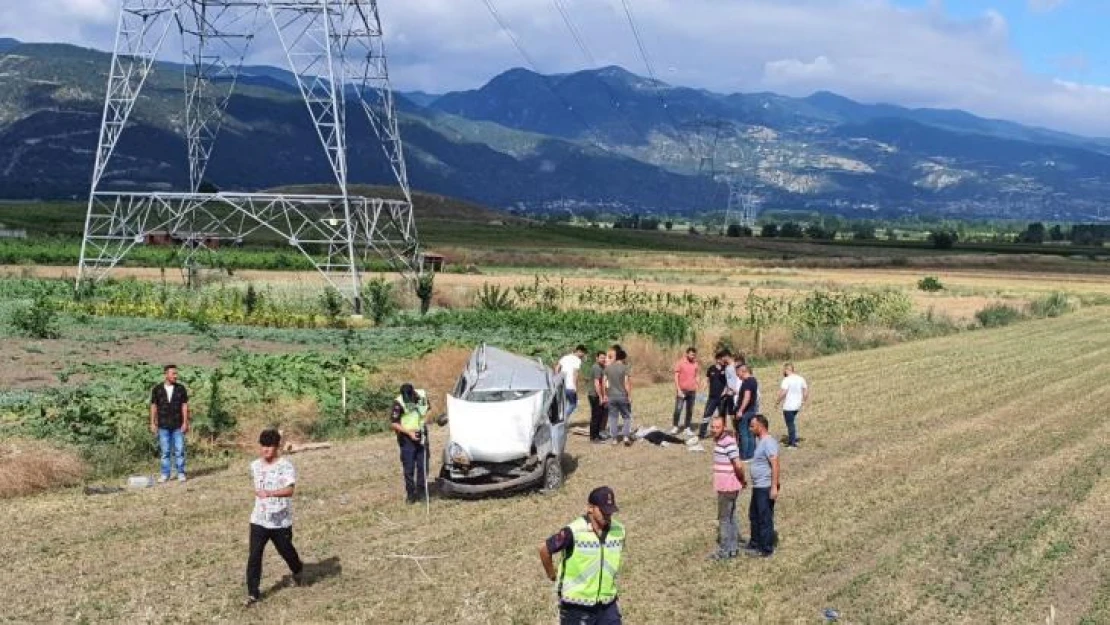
594, 139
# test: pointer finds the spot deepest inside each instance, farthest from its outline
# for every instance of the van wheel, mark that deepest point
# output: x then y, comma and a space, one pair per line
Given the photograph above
552, 475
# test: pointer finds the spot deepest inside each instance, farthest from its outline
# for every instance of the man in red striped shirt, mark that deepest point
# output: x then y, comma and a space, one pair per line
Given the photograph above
728, 481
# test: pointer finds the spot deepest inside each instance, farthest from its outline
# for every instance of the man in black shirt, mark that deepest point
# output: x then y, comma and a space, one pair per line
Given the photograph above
714, 402
747, 407
169, 419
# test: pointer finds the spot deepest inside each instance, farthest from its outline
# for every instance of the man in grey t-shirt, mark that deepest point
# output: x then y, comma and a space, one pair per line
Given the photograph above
765, 489
596, 396
618, 391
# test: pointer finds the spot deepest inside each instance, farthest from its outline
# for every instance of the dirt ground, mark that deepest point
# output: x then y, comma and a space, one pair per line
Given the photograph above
956, 480
29, 364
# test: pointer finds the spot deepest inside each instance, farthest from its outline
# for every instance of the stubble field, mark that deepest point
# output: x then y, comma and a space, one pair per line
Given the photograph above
963, 479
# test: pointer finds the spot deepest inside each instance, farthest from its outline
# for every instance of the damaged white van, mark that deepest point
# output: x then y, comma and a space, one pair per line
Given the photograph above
506, 427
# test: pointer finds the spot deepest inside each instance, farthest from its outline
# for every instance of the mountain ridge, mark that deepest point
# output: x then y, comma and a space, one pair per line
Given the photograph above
604, 138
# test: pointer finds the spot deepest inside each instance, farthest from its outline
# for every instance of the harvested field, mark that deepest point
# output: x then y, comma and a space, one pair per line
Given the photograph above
932, 489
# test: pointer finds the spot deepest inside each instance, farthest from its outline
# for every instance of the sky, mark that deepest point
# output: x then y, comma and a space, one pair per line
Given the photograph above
1040, 62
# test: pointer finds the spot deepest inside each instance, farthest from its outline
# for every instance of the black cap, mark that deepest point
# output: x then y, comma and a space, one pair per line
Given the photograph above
603, 498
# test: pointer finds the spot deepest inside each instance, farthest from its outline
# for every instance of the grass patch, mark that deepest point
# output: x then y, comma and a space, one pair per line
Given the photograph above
29, 466
998, 315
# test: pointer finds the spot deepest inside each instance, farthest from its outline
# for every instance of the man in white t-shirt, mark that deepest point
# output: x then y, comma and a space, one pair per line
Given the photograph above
569, 366
793, 394
274, 480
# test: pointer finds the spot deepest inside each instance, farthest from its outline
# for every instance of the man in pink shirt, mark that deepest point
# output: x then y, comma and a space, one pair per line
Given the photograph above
728, 481
686, 382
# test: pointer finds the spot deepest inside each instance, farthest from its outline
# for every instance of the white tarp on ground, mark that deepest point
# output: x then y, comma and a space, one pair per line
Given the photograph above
494, 431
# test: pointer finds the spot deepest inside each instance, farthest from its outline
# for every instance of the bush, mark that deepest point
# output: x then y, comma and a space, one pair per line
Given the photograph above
217, 420
1052, 305
930, 284
37, 320
332, 304
998, 315
943, 239
377, 295
736, 230
495, 299
425, 287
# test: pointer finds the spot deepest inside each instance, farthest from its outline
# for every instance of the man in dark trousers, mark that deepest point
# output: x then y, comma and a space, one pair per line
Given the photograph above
714, 400
410, 409
598, 406
746, 408
169, 420
274, 480
765, 490
587, 574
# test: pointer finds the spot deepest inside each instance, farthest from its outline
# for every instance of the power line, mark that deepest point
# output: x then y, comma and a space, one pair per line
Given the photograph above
651, 73
574, 32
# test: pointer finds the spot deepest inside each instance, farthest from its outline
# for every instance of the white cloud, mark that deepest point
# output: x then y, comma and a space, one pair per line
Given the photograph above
871, 50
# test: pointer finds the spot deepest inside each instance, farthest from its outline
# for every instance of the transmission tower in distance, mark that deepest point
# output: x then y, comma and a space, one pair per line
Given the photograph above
335, 51
742, 203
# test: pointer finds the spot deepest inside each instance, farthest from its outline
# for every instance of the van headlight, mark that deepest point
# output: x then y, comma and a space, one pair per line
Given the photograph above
457, 455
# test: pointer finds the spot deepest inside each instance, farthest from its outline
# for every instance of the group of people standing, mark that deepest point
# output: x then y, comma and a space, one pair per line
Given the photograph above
609, 393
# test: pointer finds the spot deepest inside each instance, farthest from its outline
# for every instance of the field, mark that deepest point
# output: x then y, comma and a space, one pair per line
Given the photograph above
953, 470
959, 479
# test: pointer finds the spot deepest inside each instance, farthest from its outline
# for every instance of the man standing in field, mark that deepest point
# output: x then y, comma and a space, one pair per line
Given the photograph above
274, 480
169, 420
732, 386
793, 394
765, 490
619, 394
569, 366
410, 409
714, 401
747, 407
587, 574
686, 389
598, 402
728, 481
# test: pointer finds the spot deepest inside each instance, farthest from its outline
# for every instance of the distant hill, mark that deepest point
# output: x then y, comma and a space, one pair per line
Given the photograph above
603, 139
425, 205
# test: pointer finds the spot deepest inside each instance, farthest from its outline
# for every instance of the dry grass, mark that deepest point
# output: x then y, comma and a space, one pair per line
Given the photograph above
28, 466
926, 492
436, 372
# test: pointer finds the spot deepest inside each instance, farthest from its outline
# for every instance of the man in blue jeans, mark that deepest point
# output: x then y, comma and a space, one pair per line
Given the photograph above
793, 394
569, 366
747, 405
169, 419
765, 490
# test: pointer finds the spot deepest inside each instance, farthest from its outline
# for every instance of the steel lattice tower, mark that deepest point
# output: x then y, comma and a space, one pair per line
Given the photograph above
335, 50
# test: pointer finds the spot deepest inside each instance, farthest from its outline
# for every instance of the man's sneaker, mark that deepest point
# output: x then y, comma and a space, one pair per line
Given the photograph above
688, 433
181, 477
628, 442
162, 479
755, 553
720, 556
250, 601
615, 440
297, 580
597, 441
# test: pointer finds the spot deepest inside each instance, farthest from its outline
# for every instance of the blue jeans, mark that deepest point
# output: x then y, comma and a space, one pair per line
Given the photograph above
743, 427
761, 517
572, 403
791, 429
172, 440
